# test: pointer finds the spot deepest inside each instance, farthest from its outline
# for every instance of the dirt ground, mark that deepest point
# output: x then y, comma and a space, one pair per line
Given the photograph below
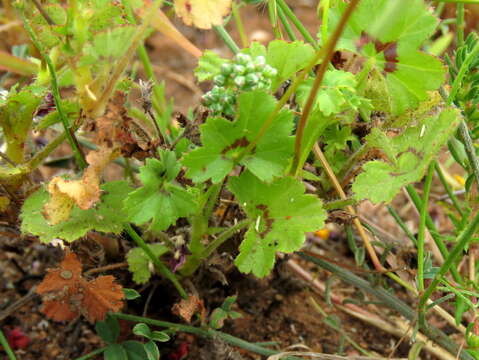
276, 309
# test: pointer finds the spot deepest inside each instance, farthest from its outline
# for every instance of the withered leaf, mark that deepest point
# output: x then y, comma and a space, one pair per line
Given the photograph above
66, 293
84, 192
186, 308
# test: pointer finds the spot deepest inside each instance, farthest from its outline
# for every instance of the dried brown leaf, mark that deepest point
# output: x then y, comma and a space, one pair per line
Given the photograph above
186, 308
66, 294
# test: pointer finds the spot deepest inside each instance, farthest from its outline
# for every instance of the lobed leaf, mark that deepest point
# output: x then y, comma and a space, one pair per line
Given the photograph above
159, 200
390, 46
408, 155
223, 142
282, 214
108, 215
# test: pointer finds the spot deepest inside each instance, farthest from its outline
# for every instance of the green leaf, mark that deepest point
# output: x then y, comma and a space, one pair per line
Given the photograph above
115, 352
209, 65
49, 35
408, 153
336, 94
217, 318
141, 329
288, 58
138, 262
107, 216
108, 329
390, 46
131, 294
223, 142
219, 315
134, 350
159, 200
108, 45
151, 350
282, 214
16, 114
160, 336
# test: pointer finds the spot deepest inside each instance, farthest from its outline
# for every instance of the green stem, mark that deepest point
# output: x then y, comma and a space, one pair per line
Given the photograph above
422, 228
401, 224
162, 268
457, 83
194, 261
470, 150
432, 230
460, 24
328, 55
80, 160
325, 21
461, 242
297, 23
391, 301
286, 25
448, 189
92, 354
205, 333
273, 19
157, 102
214, 193
239, 24
227, 39
6, 347
223, 237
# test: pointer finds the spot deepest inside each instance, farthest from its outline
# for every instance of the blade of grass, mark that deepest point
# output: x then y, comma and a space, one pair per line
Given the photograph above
461, 242
401, 224
6, 347
391, 301
432, 230
448, 189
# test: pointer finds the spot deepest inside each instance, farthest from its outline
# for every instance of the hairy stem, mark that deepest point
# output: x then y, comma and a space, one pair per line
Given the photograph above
80, 160
422, 228
328, 55
162, 268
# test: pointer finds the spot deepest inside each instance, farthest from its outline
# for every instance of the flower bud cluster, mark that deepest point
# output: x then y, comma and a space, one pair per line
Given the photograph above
242, 74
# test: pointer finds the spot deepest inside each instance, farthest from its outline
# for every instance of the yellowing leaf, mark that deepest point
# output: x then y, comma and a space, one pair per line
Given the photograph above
84, 192
202, 13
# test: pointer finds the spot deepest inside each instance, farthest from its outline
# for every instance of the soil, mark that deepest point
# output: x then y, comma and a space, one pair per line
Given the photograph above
277, 309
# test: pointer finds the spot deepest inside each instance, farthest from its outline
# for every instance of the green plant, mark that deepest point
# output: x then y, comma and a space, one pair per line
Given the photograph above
271, 110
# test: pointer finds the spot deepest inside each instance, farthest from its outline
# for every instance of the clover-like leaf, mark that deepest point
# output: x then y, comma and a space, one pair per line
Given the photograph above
390, 48
408, 154
281, 212
224, 141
